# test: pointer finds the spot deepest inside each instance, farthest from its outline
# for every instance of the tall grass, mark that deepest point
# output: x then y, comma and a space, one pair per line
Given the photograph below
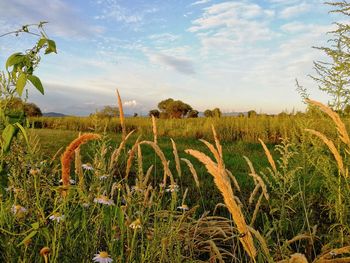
294, 210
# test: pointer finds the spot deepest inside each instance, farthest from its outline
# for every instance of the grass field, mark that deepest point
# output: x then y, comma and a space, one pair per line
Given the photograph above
134, 199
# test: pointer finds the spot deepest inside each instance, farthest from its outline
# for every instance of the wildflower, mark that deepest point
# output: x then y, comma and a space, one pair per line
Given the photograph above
102, 199
135, 224
44, 252
172, 188
103, 177
102, 257
18, 210
34, 171
85, 205
71, 181
57, 217
183, 207
87, 166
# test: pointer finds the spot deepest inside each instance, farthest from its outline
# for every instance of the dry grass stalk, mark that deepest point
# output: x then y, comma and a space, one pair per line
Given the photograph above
131, 158
184, 196
69, 153
140, 162
332, 148
269, 156
116, 153
192, 170
253, 194
257, 178
176, 157
326, 257
262, 242
154, 129
217, 142
213, 150
216, 251
147, 176
161, 155
79, 168
222, 181
256, 209
336, 119
121, 116
234, 180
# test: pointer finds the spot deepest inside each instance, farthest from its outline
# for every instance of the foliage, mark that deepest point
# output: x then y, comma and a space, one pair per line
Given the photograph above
174, 108
107, 112
334, 77
155, 113
19, 70
216, 113
192, 114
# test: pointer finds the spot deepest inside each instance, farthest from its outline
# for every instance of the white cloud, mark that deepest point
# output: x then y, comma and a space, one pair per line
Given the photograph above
200, 2
180, 64
295, 10
130, 103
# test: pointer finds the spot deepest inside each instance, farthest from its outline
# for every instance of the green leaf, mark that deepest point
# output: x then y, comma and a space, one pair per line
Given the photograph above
21, 82
23, 132
31, 234
36, 83
35, 225
42, 42
7, 135
14, 59
51, 47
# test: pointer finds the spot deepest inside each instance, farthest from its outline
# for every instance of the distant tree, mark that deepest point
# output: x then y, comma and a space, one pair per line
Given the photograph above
107, 112
208, 113
28, 109
240, 115
192, 114
216, 113
155, 113
252, 113
174, 108
283, 114
135, 115
32, 110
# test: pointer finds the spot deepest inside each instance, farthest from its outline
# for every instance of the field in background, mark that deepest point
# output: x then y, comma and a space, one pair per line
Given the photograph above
268, 128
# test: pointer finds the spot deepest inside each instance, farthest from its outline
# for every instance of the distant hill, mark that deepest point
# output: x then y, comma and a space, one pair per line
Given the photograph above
53, 114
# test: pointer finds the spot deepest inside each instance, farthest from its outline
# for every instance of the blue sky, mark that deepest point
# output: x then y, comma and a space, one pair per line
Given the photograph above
236, 55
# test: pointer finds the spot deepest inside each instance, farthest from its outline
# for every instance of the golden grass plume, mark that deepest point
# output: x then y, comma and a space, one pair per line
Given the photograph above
68, 154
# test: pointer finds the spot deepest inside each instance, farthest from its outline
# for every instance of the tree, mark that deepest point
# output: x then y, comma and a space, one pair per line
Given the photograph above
174, 108
334, 77
208, 113
193, 114
252, 113
155, 113
107, 112
216, 113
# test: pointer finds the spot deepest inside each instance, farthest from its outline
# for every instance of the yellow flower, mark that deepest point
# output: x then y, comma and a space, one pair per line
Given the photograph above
135, 224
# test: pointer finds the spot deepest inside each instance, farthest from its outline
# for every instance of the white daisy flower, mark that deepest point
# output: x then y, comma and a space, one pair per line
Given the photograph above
172, 188
57, 217
71, 181
183, 207
85, 205
102, 199
102, 257
18, 209
87, 166
103, 177
135, 224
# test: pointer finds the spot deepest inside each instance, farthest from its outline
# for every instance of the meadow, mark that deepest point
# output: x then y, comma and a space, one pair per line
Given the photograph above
138, 196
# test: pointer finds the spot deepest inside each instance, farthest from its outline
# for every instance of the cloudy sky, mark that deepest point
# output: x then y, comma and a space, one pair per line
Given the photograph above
236, 55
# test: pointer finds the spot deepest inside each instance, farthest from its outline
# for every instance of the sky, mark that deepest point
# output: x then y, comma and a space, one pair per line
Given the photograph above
237, 55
